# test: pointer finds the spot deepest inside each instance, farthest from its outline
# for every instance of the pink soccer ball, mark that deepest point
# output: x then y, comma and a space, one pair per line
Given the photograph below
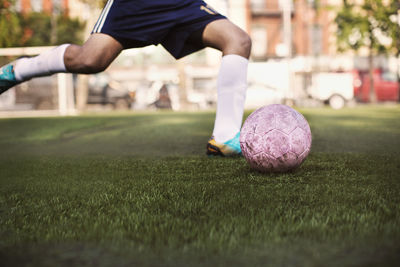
275, 138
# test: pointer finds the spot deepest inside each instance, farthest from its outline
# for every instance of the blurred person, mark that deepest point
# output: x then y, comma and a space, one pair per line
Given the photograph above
181, 27
163, 101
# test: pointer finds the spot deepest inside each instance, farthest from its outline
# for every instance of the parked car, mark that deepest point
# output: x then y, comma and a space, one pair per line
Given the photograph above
386, 86
259, 95
104, 91
333, 88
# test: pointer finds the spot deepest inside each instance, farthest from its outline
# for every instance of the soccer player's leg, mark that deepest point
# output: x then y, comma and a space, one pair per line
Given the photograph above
235, 45
25, 68
93, 56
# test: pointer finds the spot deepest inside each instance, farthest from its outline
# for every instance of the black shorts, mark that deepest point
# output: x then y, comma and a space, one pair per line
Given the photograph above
171, 23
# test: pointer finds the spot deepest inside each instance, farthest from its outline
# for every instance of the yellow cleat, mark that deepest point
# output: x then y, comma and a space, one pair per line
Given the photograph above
230, 148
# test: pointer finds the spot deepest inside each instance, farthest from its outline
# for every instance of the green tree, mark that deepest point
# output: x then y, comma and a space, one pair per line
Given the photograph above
69, 30
39, 26
10, 28
36, 29
373, 25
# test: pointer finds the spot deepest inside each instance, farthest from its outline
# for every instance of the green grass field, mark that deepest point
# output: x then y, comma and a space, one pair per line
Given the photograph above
137, 190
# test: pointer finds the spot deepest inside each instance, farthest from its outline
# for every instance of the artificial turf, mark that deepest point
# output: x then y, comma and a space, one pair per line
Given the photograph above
137, 190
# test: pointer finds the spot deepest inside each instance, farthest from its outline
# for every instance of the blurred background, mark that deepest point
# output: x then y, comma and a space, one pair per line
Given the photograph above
305, 52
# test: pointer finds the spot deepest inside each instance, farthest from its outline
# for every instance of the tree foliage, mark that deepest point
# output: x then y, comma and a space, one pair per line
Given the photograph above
36, 29
372, 24
10, 28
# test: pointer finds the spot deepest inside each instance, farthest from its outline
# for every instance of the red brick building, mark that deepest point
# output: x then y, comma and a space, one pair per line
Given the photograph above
312, 27
46, 6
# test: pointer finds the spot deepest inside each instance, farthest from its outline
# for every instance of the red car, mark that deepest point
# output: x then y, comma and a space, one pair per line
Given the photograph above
385, 84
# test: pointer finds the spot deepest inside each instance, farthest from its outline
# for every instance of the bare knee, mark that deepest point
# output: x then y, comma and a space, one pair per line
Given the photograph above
227, 37
240, 44
77, 60
93, 65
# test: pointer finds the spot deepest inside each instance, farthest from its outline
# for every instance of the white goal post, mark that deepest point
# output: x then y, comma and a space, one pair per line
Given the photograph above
66, 102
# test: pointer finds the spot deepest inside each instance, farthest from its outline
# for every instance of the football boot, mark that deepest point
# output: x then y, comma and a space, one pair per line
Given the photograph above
7, 78
230, 148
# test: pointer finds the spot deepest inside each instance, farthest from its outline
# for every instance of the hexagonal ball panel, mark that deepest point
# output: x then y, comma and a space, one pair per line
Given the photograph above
299, 141
276, 143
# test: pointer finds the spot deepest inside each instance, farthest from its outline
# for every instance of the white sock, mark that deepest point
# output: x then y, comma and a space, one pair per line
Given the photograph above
231, 89
45, 64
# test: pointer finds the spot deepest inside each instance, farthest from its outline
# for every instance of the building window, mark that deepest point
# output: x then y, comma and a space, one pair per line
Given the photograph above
57, 6
18, 5
316, 39
36, 5
259, 38
257, 5
286, 4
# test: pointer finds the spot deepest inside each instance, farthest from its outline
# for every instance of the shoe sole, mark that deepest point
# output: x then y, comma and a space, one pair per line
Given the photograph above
214, 150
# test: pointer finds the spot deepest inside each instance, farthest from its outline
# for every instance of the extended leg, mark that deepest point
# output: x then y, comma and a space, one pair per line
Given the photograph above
93, 56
